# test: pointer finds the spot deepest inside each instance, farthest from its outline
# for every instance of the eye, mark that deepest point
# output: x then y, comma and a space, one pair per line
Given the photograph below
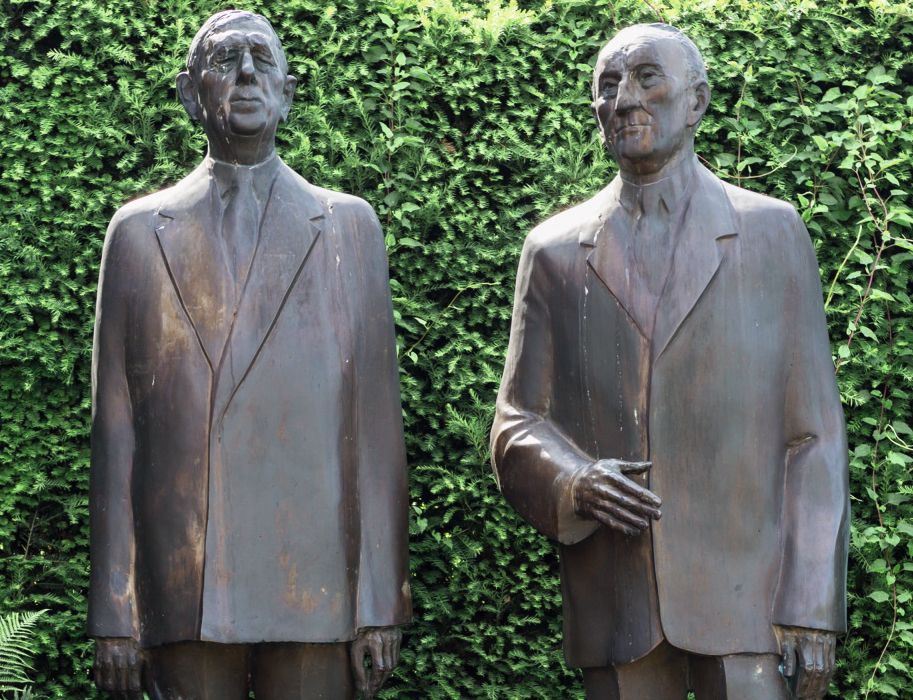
608, 89
649, 77
263, 59
224, 58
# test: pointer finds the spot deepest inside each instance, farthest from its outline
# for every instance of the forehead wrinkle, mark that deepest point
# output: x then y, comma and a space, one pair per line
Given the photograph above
639, 51
238, 38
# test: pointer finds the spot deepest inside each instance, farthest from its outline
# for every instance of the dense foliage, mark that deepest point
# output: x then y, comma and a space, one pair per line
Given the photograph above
464, 124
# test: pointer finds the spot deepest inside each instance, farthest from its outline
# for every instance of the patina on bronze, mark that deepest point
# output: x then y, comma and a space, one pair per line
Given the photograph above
248, 485
669, 412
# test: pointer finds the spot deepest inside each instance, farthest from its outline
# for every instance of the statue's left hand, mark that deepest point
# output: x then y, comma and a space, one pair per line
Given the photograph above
810, 654
382, 645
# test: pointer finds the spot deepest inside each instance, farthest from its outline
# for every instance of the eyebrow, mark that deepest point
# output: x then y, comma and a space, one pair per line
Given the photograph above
236, 39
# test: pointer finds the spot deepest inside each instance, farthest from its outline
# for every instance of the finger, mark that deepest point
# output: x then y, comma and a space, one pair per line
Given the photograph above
820, 665
386, 674
397, 640
806, 660
388, 653
635, 467
134, 676
375, 680
614, 524
376, 647
107, 675
645, 495
121, 672
789, 658
357, 660
630, 502
620, 513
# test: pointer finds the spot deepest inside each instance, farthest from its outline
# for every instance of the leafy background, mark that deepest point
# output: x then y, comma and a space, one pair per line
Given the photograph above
464, 124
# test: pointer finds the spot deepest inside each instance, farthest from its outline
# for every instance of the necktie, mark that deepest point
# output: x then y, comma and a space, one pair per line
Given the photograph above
240, 222
651, 258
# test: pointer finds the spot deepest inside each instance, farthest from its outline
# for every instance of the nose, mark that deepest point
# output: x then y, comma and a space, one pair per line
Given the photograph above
628, 96
246, 70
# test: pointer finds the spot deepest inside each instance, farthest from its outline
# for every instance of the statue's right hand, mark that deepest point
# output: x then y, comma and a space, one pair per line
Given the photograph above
603, 492
119, 667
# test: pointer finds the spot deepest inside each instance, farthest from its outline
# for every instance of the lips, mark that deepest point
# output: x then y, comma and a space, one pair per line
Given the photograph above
635, 125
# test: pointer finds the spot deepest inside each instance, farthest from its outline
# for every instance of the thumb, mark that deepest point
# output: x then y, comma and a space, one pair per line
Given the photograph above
357, 659
789, 657
635, 467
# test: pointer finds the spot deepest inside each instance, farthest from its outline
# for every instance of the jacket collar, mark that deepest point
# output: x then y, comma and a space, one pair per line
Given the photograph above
225, 175
663, 196
706, 219
187, 231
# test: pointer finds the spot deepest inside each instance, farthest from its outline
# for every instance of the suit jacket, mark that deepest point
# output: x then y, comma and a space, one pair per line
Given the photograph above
248, 477
733, 398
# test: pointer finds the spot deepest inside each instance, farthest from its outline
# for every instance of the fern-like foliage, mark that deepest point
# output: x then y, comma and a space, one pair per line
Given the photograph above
16, 650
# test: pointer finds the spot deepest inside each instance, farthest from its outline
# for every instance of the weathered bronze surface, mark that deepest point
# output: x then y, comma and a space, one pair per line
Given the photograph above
248, 483
669, 413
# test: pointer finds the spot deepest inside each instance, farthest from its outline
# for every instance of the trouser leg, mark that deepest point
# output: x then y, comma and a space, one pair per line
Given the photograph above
197, 671
294, 671
660, 675
738, 677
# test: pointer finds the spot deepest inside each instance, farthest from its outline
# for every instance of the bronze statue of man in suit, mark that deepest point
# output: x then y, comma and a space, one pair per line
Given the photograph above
669, 342
248, 485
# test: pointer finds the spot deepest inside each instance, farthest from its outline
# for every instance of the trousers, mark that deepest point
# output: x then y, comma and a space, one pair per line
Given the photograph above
274, 671
667, 673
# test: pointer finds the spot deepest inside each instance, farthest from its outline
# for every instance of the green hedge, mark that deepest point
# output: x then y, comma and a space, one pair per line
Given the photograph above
464, 124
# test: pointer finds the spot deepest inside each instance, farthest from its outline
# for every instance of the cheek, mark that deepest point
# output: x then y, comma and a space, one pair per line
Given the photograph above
604, 113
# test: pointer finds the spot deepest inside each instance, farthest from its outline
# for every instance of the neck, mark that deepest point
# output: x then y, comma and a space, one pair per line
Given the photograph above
634, 175
243, 150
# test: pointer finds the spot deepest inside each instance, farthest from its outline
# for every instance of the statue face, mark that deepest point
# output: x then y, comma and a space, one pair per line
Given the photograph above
241, 84
643, 100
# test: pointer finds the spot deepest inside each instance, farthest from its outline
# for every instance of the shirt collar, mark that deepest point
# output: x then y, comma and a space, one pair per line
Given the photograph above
663, 196
262, 175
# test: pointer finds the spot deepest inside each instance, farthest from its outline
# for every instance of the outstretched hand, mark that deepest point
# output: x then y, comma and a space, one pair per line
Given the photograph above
603, 492
119, 667
810, 654
381, 645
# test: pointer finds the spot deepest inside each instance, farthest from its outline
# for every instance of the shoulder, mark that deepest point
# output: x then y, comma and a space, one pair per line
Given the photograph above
760, 212
563, 232
136, 217
334, 204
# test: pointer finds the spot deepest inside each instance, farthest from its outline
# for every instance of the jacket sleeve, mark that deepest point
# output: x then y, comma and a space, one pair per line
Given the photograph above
112, 598
812, 588
384, 596
534, 462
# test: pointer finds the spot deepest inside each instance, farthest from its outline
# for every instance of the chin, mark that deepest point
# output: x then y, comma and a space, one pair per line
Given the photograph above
246, 128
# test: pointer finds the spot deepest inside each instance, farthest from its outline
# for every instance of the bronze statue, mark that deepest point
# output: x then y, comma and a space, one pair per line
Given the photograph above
248, 484
669, 342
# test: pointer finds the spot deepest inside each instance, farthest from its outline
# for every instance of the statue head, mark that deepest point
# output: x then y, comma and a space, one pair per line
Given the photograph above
236, 85
650, 92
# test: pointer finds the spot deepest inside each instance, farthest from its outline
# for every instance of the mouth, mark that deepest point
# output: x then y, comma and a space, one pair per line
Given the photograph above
245, 99
630, 127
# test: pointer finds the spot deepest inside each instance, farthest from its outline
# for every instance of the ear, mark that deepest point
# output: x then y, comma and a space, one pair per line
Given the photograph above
288, 92
187, 93
700, 100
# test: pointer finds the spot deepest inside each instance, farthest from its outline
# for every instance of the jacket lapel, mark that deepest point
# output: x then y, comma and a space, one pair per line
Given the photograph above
708, 223
186, 227
607, 241
290, 226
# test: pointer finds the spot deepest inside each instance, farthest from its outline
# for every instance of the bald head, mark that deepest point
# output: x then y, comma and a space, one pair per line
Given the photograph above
657, 31
649, 93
